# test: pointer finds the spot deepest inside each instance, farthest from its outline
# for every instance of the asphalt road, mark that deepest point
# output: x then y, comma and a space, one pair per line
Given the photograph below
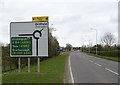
90, 69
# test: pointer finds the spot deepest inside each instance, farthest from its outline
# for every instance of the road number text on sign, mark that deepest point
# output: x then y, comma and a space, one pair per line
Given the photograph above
21, 45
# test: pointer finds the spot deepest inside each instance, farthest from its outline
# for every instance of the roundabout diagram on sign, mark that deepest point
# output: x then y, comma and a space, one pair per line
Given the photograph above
36, 34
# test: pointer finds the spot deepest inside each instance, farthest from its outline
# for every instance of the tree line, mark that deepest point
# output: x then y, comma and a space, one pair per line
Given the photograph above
108, 46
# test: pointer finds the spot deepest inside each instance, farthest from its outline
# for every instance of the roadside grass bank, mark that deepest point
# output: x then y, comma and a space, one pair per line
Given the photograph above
117, 59
51, 71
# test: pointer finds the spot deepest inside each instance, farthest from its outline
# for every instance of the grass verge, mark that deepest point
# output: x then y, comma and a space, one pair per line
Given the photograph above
105, 57
52, 71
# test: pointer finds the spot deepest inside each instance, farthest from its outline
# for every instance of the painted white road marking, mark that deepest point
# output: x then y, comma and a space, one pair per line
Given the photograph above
98, 64
71, 71
112, 71
90, 60
105, 68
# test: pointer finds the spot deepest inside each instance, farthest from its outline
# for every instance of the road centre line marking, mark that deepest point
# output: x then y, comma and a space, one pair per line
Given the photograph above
112, 71
105, 68
97, 64
90, 60
71, 71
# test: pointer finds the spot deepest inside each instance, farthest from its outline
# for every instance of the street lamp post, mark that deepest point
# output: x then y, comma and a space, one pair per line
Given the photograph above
52, 28
89, 46
83, 44
96, 39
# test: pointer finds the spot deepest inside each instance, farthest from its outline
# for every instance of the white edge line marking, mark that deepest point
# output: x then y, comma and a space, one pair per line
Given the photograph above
71, 71
97, 64
112, 71
90, 60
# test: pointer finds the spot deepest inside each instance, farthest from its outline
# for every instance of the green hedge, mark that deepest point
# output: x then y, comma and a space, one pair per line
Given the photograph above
114, 53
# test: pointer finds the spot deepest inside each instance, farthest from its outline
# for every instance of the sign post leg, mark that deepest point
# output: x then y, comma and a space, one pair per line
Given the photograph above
19, 65
38, 64
28, 64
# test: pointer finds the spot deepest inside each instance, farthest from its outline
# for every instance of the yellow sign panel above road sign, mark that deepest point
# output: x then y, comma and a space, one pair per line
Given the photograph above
44, 18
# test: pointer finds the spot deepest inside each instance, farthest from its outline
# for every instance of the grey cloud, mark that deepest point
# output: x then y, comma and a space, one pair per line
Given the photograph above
68, 19
71, 18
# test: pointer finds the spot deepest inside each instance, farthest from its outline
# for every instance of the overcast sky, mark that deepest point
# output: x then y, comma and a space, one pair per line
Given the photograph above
72, 19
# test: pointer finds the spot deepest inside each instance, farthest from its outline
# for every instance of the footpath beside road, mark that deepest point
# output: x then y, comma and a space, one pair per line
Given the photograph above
84, 68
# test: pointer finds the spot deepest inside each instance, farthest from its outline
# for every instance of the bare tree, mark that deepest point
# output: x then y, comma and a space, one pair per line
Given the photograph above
68, 46
108, 39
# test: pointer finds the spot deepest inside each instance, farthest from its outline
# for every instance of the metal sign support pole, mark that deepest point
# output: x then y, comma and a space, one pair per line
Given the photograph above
28, 64
19, 69
38, 64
